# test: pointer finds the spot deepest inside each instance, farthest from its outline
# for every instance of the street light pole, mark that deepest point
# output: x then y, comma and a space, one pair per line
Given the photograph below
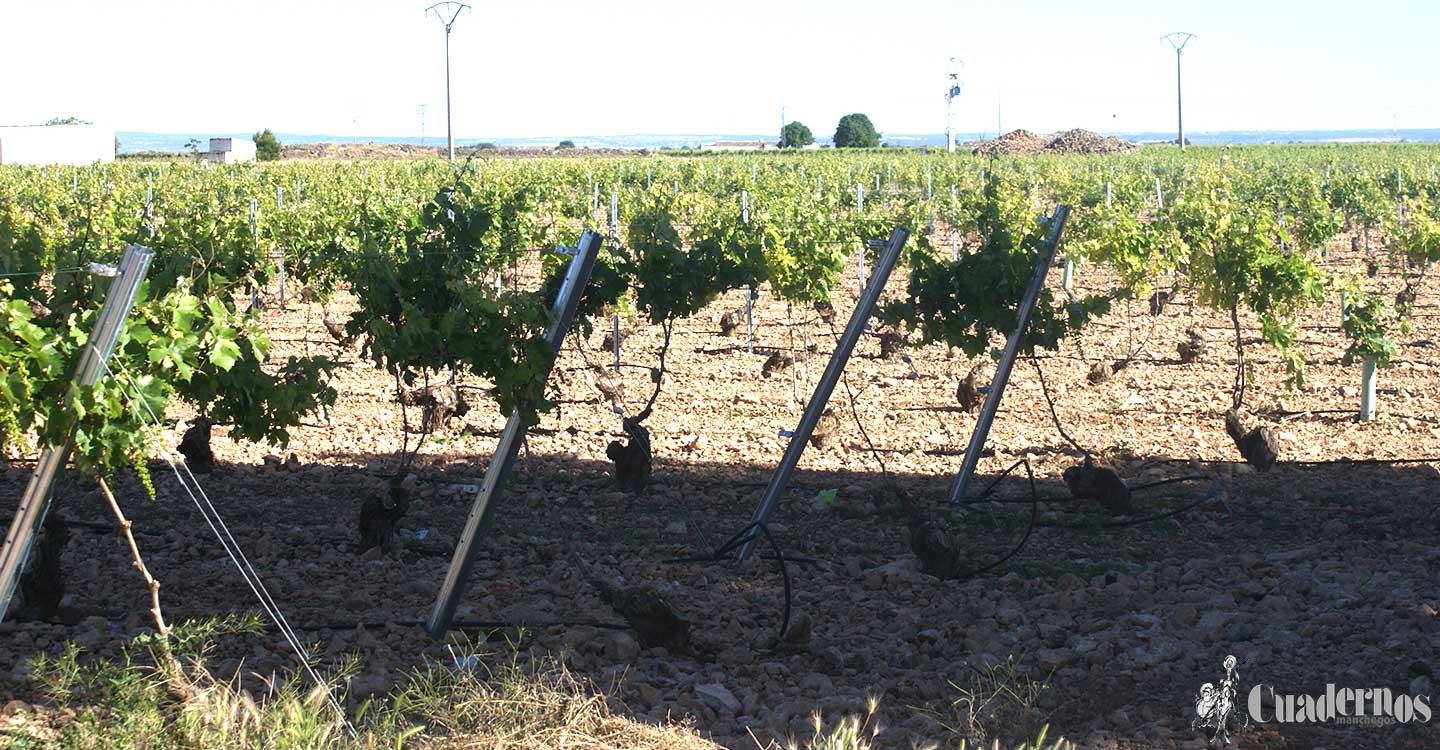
1178, 40
440, 9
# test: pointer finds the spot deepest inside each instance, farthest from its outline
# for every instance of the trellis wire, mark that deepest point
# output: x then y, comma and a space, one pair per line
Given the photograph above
227, 540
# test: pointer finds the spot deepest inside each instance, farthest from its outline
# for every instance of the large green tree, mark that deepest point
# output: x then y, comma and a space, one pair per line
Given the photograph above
795, 135
267, 146
856, 131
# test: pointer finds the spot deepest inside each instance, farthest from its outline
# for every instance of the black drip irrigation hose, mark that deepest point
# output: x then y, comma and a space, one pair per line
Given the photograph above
1054, 416
1121, 523
94, 527
1172, 480
743, 537
1029, 527
1361, 461
465, 625
978, 499
1035, 501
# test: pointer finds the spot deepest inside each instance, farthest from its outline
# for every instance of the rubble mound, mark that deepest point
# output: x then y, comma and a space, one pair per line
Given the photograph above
1079, 141
1013, 142
1076, 141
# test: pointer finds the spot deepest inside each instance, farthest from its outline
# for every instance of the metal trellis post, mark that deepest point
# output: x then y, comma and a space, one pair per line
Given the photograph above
35, 503
811, 416
1007, 359
279, 250
481, 512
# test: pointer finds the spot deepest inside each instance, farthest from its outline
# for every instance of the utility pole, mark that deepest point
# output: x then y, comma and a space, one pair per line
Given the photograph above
440, 10
1178, 40
951, 94
422, 124
782, 126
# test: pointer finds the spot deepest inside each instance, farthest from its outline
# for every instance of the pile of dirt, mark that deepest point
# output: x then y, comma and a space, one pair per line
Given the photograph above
1076, 141
1080, 141
1013, 142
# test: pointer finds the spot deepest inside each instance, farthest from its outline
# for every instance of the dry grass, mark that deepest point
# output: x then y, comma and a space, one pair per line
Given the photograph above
1000, 706
523, 706
473, 701
130, 704
851, 733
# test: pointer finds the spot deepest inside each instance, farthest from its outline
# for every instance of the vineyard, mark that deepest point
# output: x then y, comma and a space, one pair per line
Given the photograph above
1219, 436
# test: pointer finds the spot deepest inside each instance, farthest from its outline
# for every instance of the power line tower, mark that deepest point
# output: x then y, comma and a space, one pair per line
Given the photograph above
951, 94
451, 8
1178, 40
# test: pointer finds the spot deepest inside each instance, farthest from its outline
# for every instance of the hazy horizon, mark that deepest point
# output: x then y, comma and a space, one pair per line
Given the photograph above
142, 141
367, 67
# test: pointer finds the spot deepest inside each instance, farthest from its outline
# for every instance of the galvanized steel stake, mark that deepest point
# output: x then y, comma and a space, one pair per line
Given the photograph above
503, 459
1007, 359
811, 416
35, 503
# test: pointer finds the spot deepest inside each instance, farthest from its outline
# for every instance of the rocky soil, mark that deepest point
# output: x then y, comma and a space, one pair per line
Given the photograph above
1076, 141
1310, 573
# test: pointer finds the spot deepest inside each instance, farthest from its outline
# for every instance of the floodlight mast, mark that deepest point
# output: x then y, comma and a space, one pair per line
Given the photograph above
1178, 40
951, 94
440, 10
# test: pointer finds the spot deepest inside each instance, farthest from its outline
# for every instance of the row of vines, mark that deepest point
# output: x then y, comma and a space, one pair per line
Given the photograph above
442, 263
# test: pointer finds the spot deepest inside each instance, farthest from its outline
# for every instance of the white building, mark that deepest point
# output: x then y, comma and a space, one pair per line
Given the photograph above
56, 144
741, 146
230, 150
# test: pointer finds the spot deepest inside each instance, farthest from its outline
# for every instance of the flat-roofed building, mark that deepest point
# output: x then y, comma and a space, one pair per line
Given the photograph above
230, 150
56, 144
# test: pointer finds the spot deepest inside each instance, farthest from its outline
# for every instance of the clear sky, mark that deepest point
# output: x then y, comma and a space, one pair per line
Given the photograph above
645, 66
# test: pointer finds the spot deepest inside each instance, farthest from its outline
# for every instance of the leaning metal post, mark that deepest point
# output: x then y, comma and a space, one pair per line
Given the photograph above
501, 462
1007, 359
35, 503
826, 386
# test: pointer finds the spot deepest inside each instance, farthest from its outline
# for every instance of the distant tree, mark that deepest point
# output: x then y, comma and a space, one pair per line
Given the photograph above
193, 147
267, 146
566, 144
795, 135
71, 120
856, 131
487, 145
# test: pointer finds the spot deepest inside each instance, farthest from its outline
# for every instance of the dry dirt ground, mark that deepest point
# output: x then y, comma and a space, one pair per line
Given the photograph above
1309, 574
